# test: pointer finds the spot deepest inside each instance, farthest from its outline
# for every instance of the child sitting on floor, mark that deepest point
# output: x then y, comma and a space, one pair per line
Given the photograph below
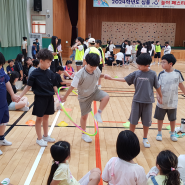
23, 104
122, 169
10, 67
60, 172
69, 69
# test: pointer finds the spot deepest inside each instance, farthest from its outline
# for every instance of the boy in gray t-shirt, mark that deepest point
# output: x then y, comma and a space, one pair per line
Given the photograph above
144, 80
85, 80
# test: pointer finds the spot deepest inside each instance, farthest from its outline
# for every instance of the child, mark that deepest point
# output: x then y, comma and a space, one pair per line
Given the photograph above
22, 105
111, 47
138, 49
60, 172
69, 70
128, 52
4, 113
44, 86
153, 51
18, 65
119, 58
79, 53
26, 67
169, 80
134, 52
59, 48
122, 169
144, 80
102, 62
85, 81
166, 163
38, 45
58, 78
34, 50
167, 49
24, 47
157, 52
35, 66
144, 49
10, 67
72, 57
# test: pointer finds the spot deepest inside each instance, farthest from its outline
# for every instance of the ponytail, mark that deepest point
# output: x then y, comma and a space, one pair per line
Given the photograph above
168, 161
59, 151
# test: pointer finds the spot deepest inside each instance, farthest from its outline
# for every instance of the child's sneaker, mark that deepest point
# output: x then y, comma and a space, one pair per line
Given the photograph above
1, 153
177, 129
153, 172
146, 143
117, 65
173, 137
48, 139
6, 181
5, 143
86, 138
97, 116
158, 63
42, 143
67, 78
159, 137
121, 65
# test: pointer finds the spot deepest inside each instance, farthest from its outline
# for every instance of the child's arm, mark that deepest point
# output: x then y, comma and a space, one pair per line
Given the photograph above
115, 79
63, 98
14, 97
159, 95
21, 72
55, 182
181, 86
26, 89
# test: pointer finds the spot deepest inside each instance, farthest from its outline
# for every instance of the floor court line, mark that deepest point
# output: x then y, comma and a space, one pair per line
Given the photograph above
37, 160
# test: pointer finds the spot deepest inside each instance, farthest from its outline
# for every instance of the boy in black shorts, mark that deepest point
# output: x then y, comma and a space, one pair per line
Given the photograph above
144, 80
44, 86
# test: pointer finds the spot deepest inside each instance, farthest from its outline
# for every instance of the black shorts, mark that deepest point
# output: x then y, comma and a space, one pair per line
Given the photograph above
43, 105
100, 67
160, 114
152, 53
79, 63
127, 55
157, 55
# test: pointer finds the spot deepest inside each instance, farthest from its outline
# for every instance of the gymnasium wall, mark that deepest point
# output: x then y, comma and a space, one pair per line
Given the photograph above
95, 17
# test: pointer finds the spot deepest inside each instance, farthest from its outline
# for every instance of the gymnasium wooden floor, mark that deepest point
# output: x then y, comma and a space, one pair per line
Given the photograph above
17, 160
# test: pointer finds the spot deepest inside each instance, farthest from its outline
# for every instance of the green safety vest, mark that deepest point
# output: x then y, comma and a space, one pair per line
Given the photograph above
102, 56
136, 47
94, 50
56, 56
157, 48
79, 55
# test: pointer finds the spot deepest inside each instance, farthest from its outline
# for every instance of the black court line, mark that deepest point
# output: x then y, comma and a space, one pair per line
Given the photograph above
87, 127
15, 123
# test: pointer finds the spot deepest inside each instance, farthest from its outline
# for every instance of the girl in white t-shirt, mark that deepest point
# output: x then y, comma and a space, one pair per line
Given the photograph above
144, 49
128, 52
60, 173
111, 47
122, 169
119, 58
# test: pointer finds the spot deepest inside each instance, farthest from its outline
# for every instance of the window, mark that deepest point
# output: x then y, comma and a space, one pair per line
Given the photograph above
39, 24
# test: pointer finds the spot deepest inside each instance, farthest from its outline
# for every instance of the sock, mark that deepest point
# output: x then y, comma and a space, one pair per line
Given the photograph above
160, 132
172, 133
99, 111
84, 133
144, 138
2, 137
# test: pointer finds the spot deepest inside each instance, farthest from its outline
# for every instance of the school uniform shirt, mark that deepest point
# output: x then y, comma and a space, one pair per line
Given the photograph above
64, 175
58, 80
169, 82
86, 83
42, 82
119, 56
160, 180
129, 50
4, 78
9, 100
181, 167
9, 69
125, 173
167, 50
144, 83
111, 47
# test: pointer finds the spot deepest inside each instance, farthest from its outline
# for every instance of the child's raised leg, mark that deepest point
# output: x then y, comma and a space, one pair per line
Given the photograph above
132, 127
94, 177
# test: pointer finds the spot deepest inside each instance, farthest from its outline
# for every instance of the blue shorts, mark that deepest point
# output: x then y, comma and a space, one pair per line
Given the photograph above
4, 115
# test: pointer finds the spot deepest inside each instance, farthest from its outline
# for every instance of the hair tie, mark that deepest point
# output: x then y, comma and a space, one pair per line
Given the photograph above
56, 162
172, 169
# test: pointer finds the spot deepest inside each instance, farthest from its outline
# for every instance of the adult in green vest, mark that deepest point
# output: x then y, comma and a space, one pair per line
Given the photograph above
157, 52
53, 48
79, 53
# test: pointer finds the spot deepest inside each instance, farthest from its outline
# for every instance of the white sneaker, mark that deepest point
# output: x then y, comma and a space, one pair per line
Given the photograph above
177, 129
48, 139
28, 104
1, 153
25, 109
42, 143
5, 143
6, 181
97, 116
67, 78
153, 172
173, 137
158, 63
121, 65
117, 65
86, 138
159, 137
99, 86
146, 143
